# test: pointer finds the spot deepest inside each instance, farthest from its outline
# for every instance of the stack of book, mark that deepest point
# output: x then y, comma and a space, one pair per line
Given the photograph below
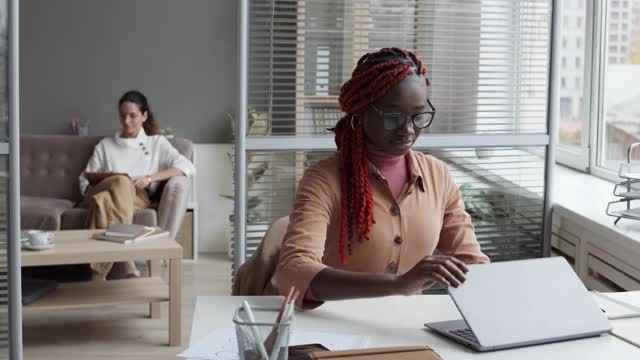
130, 233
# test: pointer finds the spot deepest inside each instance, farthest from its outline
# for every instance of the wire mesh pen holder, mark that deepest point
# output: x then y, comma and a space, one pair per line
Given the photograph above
262, 338
626, 190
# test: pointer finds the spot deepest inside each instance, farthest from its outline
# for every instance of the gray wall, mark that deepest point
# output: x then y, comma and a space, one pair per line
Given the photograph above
78, 56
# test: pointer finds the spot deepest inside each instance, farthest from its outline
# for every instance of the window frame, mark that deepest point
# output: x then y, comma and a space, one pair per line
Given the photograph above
576, 157
598, 120
586, 158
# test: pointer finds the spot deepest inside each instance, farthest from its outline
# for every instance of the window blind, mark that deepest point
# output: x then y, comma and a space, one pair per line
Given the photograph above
503, 191
487, 59
488, 65
4, 266
10, 307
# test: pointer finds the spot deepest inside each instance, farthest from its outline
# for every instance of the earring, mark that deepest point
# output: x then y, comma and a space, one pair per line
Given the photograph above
353, 127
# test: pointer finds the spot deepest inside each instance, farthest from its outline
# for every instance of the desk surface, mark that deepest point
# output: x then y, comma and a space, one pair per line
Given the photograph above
399, 320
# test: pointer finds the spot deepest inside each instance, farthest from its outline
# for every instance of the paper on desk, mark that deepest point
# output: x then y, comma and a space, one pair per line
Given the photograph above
221, 344
628, 330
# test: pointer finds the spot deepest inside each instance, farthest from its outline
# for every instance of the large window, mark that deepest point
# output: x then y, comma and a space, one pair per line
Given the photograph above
599, 115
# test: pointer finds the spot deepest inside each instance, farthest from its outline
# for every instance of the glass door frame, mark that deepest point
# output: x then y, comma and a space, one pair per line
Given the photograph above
13, 151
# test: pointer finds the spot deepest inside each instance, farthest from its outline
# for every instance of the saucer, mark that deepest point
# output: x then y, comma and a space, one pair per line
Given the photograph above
26, 245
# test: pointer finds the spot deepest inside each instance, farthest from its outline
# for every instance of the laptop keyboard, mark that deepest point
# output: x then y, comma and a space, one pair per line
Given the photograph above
465, 333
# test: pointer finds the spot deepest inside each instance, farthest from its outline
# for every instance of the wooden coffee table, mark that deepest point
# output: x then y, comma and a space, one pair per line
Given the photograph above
77, 247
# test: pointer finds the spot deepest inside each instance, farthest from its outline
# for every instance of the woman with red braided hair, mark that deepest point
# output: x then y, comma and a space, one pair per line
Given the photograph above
367, 220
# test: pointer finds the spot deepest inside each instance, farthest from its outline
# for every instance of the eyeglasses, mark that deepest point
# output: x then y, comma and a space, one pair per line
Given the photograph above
396, 120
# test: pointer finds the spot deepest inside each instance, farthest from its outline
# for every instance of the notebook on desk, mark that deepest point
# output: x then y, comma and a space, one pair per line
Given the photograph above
619, 305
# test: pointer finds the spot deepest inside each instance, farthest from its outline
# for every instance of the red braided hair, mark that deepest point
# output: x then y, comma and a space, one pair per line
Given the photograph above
372, 78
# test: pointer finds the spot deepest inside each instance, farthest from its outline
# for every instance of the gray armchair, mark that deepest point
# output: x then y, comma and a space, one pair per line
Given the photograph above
50, 166
173, 203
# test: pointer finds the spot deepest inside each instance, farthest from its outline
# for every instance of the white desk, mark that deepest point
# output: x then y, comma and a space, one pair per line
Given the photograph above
399, 320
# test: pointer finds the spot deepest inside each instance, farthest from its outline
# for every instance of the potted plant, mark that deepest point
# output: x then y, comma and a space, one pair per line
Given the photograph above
486, 205
167, 132
257, 125
500, 212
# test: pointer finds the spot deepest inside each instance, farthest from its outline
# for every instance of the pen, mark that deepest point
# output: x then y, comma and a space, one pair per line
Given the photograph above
254, 330
284, 303
289, 310
286, 317
243, 329
271, 338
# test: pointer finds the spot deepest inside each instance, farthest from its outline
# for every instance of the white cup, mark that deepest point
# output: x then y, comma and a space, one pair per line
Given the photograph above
40, 238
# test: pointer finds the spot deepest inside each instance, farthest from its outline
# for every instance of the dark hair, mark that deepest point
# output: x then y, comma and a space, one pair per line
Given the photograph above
133, 96
374, 75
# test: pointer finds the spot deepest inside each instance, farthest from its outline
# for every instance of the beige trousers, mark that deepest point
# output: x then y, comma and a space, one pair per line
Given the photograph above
112, 201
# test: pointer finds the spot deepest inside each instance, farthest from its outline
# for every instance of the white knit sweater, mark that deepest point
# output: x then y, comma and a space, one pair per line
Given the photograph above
140, 156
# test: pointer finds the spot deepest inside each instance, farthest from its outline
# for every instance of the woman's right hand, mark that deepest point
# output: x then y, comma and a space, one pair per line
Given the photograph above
140, 182
437, 269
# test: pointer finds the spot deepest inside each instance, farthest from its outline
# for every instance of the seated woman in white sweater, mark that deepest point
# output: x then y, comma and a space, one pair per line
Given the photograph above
138, 151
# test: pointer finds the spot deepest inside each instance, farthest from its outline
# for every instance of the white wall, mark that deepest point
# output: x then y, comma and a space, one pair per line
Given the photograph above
214, 176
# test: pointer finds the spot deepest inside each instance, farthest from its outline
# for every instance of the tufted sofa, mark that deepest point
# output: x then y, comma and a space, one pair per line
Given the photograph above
49, 190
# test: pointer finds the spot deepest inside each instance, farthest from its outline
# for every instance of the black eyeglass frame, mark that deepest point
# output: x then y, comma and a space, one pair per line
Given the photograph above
383, 114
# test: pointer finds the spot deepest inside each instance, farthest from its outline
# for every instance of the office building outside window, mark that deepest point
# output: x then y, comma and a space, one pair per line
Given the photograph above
571, 112
621, 91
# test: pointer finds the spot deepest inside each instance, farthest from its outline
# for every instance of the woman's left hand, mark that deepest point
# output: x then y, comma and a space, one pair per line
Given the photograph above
141, 182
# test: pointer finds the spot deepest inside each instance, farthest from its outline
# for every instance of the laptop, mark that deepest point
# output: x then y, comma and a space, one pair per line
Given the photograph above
519, 303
